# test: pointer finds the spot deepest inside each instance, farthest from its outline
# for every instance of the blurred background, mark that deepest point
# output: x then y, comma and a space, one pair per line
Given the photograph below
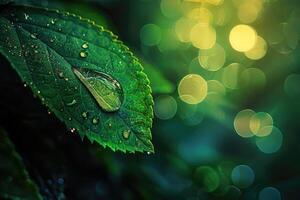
225, 78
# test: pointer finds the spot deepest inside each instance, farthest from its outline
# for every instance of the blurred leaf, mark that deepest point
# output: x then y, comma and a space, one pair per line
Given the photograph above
88, 78
158, 83
15, 182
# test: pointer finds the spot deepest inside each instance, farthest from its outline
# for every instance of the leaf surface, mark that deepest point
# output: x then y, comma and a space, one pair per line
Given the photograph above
45, 47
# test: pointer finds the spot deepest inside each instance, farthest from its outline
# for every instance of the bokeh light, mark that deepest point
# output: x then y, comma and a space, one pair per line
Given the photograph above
271, 143
242, 38
183, 28
165, 107
170, 8
261, 124
242, 123
231, 75
212, 59
192, 89
201, 15
253, 78
248, 11
291, 85
259, 50
269, 193
242, 176
215, 86
203, 36
150, 34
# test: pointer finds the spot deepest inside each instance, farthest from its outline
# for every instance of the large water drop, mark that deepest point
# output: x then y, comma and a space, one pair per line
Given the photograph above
106, 90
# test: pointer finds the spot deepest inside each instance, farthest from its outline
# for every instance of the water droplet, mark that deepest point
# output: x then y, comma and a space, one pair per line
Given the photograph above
25, 85
33, 36
73, 102
83, 54
52, 21
85, 45
72, 130
70, 119
84, 115
106, 90
39, 92
148, 152
61, 75
126, 134
95, 120
26, 16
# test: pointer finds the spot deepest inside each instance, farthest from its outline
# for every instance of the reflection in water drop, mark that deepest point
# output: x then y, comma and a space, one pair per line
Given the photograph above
106, 90
271, 143
85, 45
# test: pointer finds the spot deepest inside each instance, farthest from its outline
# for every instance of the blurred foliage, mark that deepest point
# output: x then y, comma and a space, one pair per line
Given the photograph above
15, 182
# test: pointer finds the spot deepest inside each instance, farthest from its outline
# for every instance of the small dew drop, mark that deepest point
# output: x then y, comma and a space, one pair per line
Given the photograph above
70, 119
83, 54
25, 85
72, 130
84, 115
39, 92
61, 75
33, 36
126, 134
52, 21
85, 45
148, 152
26, 16
95, 121
73, 102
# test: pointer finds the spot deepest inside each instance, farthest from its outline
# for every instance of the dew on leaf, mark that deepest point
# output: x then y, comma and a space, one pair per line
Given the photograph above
84, 115
106, 90
60, 74
33, 36
73, 102
85, 45
95, 120
83, 54
126, 134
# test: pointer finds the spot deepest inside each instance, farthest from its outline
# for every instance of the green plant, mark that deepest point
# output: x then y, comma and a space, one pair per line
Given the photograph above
87, 78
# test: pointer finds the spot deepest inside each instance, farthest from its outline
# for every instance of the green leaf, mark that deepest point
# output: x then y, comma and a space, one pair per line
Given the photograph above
45, 47
14, 179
